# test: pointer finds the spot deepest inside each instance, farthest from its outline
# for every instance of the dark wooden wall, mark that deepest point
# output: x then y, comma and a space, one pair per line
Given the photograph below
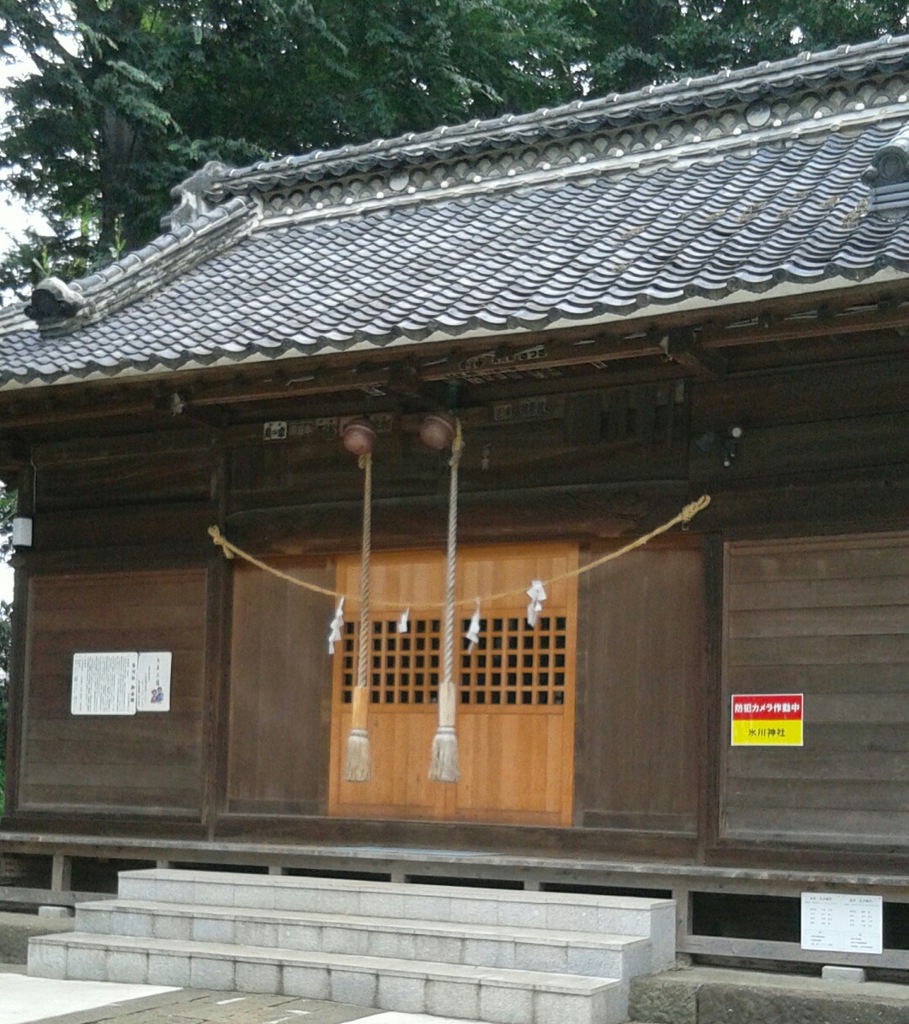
143, 499
549, 466
824, 449
829, 619
143, 763
121, 561
280, 692
641, 691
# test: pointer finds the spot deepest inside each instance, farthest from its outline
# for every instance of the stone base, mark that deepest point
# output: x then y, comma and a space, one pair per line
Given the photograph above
707, 995
16, 929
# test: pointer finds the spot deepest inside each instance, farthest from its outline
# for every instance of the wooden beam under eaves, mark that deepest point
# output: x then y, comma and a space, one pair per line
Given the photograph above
859, 323
772, 327
681, 347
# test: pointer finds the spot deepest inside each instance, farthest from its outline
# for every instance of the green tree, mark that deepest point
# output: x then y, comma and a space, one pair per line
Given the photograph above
733, 33
632, 43
129, 96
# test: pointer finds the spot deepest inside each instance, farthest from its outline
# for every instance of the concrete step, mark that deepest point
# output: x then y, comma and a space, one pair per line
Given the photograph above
469, 992
505, 956
504, 908
565, 952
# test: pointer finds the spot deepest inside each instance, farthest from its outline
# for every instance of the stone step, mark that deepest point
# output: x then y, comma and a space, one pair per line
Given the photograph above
484, 945
719, 995
490, 994
611, 915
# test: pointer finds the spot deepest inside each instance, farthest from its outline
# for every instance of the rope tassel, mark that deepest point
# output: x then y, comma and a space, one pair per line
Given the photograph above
357, 762
443, 765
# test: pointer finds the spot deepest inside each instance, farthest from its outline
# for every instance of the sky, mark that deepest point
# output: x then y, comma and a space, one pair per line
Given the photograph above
13, 216
6, 583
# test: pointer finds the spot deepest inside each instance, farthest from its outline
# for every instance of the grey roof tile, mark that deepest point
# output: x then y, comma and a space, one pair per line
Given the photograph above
651, 104
611, 243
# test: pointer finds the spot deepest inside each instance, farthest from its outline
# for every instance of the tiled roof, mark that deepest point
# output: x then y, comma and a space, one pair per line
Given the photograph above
776, 201
763, 83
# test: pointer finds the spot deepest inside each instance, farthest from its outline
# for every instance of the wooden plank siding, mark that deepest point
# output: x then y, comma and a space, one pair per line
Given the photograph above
830, 619
172, 464
280, 680
642, 691
143, 763
824, 450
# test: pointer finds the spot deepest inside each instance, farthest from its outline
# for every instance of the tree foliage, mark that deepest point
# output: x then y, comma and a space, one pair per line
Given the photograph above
128, 97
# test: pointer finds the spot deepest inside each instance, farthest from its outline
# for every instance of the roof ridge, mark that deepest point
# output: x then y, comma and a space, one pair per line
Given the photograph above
689, 96
167, 255
13, 318
176, 238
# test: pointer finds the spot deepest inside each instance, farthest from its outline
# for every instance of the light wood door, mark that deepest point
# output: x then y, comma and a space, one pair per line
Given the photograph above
515, 700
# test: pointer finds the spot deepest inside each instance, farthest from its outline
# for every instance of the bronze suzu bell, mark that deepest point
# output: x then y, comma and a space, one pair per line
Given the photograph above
358, 436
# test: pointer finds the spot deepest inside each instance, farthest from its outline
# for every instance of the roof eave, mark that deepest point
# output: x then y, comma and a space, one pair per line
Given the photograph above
692, 309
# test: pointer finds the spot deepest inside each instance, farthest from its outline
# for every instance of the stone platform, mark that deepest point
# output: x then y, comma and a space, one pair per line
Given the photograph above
512, 957
713, 995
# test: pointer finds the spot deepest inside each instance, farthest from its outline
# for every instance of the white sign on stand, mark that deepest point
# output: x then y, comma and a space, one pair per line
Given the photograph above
840, 923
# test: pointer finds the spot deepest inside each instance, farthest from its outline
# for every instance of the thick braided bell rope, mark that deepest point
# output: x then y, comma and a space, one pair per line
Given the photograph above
357, 761
443, 764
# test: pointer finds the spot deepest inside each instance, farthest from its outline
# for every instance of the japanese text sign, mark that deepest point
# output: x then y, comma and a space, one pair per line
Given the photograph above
767, 719
842, 922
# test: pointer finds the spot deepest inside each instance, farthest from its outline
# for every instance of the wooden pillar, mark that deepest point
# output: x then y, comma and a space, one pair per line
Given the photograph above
682, 899
25, 505
709, 759
217, 633
61, 873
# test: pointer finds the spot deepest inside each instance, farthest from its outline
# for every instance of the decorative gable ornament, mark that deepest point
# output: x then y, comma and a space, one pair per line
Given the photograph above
52, 300
888, 177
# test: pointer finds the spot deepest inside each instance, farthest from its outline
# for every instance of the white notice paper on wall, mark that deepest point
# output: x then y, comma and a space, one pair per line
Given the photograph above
842, 923
104, 683
153, 693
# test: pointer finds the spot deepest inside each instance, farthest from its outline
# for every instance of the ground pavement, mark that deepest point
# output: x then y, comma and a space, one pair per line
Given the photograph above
25, 1000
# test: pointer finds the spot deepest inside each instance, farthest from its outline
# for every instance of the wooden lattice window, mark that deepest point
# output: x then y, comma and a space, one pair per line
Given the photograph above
403, 667
512, 664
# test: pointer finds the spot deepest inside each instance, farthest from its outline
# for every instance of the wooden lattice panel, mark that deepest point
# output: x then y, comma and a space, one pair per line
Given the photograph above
403, 667
512, 664
515, 663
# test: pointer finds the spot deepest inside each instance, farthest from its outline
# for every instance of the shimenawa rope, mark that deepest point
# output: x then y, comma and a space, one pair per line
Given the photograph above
685, 516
